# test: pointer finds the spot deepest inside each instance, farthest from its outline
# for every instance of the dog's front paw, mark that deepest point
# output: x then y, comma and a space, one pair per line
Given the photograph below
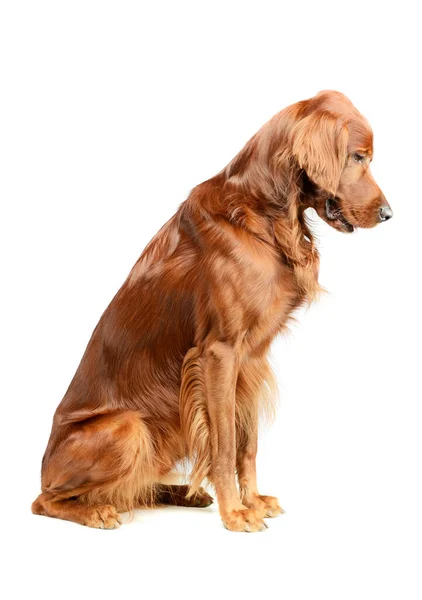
246, 519
272, 506
267, 506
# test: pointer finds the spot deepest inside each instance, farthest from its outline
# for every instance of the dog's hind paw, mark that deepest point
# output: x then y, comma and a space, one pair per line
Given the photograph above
103, 517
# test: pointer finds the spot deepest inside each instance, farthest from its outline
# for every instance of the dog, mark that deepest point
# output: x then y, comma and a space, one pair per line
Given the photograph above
177, 366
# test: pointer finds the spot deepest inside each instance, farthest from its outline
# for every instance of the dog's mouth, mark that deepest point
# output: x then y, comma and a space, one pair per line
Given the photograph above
336, 217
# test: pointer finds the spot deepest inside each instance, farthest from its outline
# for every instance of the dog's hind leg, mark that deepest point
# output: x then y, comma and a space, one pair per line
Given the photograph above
94, 469
101, 516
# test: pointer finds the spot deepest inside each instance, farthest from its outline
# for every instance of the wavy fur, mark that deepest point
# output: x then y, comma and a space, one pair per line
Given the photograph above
177, 366
195, 419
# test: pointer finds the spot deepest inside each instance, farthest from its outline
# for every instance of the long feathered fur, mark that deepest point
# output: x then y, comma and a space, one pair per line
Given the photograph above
194, 418
177, 366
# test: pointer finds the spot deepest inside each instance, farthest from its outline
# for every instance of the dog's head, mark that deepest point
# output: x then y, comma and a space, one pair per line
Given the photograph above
332, 142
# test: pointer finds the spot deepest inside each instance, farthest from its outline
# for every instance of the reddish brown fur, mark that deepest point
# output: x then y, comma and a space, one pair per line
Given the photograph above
177, 365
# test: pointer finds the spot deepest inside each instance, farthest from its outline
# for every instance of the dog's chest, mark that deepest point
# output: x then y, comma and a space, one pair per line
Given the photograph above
270, 294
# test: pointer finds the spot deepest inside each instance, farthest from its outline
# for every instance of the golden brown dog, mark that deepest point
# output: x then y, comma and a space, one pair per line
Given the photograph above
177, 365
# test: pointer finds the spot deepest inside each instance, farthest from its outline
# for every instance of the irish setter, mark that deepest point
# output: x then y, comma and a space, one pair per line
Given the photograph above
177, 366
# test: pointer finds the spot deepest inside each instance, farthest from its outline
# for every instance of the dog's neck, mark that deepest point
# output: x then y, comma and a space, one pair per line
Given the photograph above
264, 190
277, 220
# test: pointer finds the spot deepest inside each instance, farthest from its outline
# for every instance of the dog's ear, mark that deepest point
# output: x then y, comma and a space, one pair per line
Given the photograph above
319, 144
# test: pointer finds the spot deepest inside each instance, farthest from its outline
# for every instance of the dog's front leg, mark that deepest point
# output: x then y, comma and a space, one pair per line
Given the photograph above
268, 506
221, 371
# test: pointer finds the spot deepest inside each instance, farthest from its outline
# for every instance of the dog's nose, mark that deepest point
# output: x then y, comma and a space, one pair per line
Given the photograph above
385, 213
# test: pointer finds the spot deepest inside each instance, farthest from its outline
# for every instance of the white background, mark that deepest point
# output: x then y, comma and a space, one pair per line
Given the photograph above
110, 113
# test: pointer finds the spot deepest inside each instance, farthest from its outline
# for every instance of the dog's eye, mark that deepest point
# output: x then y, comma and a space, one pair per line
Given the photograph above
358, 157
